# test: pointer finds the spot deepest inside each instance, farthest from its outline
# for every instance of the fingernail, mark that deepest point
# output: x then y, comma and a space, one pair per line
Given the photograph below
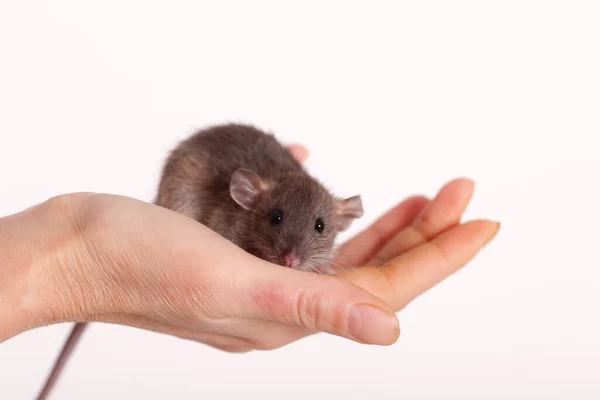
372, 325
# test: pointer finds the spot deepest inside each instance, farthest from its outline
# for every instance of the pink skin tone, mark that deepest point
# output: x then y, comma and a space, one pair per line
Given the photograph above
291, 260
97, 257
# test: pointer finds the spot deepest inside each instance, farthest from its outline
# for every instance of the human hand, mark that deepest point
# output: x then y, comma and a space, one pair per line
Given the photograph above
416, 245
124, 261
119, 260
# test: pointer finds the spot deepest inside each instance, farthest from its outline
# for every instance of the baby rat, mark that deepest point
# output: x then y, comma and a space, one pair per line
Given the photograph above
242, 183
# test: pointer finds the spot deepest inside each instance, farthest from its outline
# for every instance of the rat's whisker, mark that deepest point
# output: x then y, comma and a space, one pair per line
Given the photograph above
374, 257
342, 267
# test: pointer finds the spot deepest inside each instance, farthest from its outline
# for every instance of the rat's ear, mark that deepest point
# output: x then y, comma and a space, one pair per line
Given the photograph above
246, 187
346, 211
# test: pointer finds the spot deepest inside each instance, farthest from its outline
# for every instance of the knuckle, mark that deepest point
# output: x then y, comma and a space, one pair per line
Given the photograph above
389, 281
307, 310
305, 307
297, 306
316, 312
441, 252
422, 228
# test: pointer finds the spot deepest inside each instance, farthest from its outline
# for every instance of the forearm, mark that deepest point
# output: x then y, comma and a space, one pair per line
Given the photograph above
33, 292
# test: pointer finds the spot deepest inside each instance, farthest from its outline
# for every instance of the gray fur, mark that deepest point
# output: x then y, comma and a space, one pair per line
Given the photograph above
199, 179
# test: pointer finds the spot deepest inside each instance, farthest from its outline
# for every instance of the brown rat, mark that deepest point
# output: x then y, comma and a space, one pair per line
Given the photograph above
242, 183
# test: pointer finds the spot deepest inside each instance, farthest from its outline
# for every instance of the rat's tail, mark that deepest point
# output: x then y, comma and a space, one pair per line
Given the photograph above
62, 359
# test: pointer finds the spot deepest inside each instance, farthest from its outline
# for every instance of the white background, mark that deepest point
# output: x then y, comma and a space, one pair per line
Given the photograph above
393, 99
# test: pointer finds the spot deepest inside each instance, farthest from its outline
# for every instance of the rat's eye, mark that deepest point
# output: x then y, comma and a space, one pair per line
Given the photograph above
276, 217
320, 225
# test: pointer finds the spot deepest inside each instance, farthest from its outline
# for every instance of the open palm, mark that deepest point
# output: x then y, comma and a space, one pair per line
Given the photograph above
415, 245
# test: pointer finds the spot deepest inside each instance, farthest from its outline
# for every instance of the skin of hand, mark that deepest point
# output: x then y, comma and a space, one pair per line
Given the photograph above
94, 257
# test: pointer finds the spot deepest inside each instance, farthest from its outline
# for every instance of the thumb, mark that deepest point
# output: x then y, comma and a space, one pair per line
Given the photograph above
318, 302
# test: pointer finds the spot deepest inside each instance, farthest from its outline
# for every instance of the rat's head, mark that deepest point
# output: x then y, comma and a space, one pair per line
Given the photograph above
292, 221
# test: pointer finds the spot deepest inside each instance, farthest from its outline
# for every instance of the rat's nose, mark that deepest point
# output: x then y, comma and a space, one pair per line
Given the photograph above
291, 259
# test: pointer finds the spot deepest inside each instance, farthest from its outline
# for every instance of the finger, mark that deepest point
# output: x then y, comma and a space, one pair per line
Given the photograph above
366, 244
412, 273
300, 153
317, 302
442, 213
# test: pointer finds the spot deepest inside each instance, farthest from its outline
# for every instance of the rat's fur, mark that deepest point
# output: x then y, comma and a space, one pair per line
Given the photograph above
211, 176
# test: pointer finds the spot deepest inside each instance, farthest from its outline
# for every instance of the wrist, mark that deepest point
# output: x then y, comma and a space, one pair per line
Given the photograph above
37, 249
